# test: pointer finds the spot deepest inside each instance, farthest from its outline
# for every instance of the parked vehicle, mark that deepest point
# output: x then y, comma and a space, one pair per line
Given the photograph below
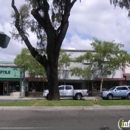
117, 91
68, 91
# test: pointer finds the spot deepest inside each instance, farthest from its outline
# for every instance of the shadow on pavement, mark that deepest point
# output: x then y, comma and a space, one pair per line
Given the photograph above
105, 128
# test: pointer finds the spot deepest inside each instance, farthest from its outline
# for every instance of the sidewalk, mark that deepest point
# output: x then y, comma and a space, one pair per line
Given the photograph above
67, 108
18, 98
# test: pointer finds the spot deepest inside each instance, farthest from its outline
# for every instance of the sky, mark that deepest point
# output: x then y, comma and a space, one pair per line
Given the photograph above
88, 19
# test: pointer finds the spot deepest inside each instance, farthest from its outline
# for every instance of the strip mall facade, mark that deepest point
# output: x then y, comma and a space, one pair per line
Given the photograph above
13, 81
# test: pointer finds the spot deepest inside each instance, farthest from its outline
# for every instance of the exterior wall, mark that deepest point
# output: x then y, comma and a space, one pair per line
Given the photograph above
76, 53
116, 78
11, 79
116, 74
65, 77
65, 73
126, 73
127, 69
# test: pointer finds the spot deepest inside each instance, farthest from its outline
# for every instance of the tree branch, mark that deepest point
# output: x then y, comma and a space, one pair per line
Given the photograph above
45, 22
38, 17
26, 40
72, 3
50, 29
64, 23
21, 32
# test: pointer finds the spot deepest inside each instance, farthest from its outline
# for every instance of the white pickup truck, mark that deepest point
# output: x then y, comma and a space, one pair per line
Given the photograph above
68, 91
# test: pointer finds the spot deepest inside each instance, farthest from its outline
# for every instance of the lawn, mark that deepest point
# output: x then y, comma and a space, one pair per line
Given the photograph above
48, 103
117, 102
66, 103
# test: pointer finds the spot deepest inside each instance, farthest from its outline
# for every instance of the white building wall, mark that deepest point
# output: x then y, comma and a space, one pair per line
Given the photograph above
127, 69
117, 74
66, 74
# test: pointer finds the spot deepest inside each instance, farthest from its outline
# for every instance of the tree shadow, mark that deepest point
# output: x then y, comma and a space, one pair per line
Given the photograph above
105, 128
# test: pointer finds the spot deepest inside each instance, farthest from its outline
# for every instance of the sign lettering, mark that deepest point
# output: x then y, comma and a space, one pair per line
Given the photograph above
4, 72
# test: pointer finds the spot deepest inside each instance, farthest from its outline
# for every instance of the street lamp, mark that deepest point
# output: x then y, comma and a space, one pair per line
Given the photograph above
4, 40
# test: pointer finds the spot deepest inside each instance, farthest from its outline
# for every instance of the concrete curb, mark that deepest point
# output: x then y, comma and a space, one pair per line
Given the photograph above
67, 108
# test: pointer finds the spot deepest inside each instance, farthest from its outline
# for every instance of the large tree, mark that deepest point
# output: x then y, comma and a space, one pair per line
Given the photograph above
105, 58
50, 25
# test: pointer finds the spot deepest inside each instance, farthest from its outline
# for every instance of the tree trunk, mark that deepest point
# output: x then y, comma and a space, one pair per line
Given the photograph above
52, 75
101, 84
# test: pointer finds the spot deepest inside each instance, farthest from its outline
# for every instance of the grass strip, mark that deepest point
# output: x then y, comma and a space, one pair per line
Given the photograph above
48, 103
117, 102
66, 103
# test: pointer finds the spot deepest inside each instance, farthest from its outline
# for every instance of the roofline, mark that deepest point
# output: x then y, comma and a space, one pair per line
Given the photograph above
74, 50
6, 62
111, 79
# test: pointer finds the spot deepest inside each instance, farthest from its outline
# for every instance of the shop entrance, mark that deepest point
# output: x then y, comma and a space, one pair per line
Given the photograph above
1, 88
5, 88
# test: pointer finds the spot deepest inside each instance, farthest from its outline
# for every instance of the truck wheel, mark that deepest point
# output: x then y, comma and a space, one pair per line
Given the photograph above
110, 96
123, 97
128, 96
47, 97
74, 98
78, 96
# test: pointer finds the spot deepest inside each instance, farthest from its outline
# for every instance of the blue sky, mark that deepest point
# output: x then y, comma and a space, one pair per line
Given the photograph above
89, 18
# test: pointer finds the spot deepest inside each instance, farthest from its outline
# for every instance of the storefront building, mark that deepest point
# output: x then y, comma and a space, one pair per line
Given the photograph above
11, 80
35, 86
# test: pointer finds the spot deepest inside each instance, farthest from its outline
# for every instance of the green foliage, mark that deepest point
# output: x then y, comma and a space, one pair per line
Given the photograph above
24, 21
64, 59
85, 73
26, 61
121, 4
105, 58
43, 103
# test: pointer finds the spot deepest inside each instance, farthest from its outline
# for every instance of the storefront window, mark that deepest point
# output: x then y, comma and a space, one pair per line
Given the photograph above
14, 86
35, 87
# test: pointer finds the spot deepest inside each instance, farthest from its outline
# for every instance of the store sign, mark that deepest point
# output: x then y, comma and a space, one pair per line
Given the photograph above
9, 72
4, 72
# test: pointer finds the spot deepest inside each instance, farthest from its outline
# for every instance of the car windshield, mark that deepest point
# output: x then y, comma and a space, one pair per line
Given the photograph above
112, 88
